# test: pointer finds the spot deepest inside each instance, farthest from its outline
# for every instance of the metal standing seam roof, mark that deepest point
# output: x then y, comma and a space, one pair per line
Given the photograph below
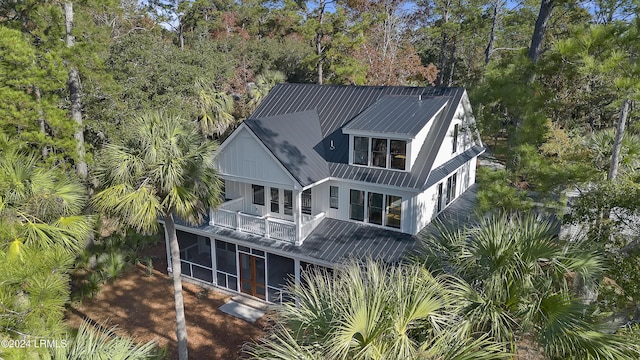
336, 106
295, 139
398, 115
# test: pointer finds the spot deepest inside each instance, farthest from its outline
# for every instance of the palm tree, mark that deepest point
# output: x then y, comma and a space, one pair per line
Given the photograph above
522, 280
263, 84
101, 343
374, 311
42, 230
214, 108
163, 170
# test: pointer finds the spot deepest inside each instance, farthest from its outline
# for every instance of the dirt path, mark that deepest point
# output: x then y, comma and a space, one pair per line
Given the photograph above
142, 306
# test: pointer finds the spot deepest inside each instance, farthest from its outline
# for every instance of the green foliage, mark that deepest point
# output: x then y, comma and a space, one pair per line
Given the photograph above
162, 168
521, 275
374, 311
496, 191
33, 82
41, 231
96, 342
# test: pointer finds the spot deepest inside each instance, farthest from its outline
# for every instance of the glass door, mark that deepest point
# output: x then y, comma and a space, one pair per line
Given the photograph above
252, 275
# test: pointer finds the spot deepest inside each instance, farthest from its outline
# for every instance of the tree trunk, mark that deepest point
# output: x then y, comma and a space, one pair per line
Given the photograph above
452, 61
176, 271
75, 95
181, 34
617, 144
492, 36
318, 40
535, 50
41, 122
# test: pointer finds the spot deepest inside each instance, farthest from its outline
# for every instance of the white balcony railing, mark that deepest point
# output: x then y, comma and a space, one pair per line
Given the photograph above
230, 215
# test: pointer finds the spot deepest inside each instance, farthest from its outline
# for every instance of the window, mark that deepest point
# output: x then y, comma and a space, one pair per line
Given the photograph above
451, 188
455, 138
398, 154
361, 150
356, 210
381, 209
306, 202
439, 197
375, 208
275, 200
384, 153
258, 194
333, 197
288, 202
379, 152
394, 211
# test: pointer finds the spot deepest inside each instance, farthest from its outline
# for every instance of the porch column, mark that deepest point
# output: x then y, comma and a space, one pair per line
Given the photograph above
297, 214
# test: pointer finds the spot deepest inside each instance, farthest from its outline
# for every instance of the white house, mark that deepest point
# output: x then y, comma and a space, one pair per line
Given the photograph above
319, 174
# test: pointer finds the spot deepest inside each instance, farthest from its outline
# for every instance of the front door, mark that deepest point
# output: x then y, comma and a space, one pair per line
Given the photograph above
252, 279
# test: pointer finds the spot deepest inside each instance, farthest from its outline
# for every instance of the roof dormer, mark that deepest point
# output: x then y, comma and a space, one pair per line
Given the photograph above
390, 133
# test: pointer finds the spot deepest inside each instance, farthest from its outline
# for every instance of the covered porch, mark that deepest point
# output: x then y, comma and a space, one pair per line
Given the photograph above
275, 213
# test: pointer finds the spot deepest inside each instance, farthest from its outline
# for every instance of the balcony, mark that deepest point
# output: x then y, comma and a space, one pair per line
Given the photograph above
230, 215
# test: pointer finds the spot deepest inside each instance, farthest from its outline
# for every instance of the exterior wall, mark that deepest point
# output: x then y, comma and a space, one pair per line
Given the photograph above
342, 213
466, 128
243, 157
425, 204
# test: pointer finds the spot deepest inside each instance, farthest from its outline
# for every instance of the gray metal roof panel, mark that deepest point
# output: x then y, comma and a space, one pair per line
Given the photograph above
450, 166
400, 115
295, 139
337, 105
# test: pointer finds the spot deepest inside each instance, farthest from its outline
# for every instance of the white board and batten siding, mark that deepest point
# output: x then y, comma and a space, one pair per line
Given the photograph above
244, 158
425, 205
466, 128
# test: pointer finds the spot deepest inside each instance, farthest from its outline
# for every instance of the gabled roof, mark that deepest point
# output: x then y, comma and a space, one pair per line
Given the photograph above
302, 125
295, 139
397, 115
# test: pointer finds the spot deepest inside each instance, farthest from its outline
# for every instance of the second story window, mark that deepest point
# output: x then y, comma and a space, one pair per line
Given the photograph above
383, 153
258, 194
361, 150
398, 154
379, 153
333, 197
305, 197
288, 202
356, 199
455, 138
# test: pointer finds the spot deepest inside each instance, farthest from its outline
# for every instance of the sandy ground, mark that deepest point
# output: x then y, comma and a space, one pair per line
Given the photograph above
142, 307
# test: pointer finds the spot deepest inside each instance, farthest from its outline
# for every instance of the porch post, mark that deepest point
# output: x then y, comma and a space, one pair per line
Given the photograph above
211, 221
213, 260
297, 214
